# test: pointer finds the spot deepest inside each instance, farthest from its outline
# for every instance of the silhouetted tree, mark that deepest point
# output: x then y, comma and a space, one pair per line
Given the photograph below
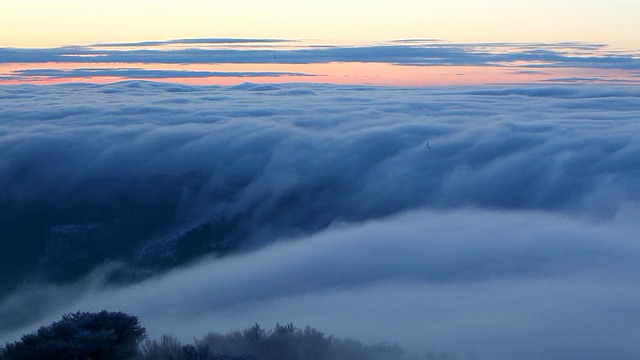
283, 342
167, 348
313, 344
81, 336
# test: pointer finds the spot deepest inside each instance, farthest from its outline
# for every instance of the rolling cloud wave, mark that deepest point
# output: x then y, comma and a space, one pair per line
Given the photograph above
396, 191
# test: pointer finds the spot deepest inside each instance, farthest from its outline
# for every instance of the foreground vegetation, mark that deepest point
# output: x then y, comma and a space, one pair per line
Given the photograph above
283, 342
118, 336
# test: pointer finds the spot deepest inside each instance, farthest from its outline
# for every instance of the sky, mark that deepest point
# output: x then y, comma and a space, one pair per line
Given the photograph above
33, 24
46, 23
456, 176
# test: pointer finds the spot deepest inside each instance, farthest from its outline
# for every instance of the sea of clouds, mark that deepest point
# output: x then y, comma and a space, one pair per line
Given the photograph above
513, 234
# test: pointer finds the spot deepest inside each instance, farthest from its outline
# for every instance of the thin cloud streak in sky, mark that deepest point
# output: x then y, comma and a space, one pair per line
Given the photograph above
200, 41
562, 55
138, 73
578, 79
427, 54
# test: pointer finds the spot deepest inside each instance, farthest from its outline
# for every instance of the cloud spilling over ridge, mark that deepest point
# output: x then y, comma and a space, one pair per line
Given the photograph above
496, 284
515, 227
156, 175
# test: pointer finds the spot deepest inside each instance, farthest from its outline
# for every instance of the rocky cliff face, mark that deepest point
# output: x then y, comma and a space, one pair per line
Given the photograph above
74, 249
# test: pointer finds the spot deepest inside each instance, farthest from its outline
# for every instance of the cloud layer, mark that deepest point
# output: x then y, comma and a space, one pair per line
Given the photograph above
527, 285
513, 228
155, 165
142, 73
270, 52
408, 53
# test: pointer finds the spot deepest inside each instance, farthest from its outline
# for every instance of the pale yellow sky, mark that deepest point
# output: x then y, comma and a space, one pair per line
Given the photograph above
43, 23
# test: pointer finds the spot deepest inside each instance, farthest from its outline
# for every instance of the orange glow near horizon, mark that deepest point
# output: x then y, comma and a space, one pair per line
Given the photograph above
334, 73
